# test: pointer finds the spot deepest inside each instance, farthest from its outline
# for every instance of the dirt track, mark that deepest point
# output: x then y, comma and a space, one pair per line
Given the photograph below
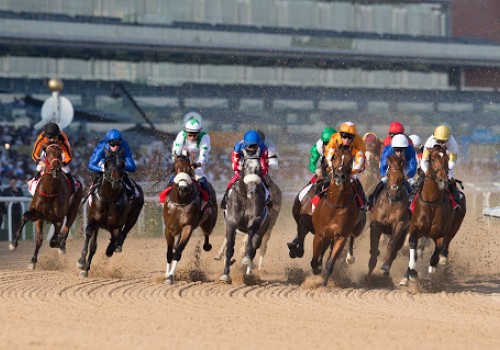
124, 303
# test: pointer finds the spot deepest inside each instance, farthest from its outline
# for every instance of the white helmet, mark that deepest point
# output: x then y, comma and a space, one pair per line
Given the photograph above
417, 142
399, 141
192, 115
192, 125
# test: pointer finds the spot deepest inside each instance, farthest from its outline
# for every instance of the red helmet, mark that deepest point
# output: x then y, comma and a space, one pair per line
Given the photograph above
396, 128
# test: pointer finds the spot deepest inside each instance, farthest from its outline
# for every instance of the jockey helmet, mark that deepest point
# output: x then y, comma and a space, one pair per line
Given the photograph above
112, 135
399, 141
251, 138
51, 130
261, 135
192, 125
442, 133
417, 142
348, 128
396, 128
327, 134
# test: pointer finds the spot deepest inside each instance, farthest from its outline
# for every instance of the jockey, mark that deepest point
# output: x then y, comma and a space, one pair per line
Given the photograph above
114, 142
197, 142
400, 147
395, 128
53, 135
253, 145
348, 136
317, 152
442, 136
417, 146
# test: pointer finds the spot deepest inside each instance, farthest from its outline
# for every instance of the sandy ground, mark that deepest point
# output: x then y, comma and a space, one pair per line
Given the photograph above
124, 303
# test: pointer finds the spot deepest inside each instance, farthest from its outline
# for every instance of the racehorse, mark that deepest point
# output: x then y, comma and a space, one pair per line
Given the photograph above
110, 209
337, 216
182, 214
391, 215
274, 212
371, 176
53, 202
433, 215
246, 212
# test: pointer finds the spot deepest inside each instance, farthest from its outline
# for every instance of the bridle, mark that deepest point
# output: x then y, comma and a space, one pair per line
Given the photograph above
398, 188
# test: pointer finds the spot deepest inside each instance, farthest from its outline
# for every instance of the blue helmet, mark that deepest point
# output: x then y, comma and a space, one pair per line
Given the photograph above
251, 138
113, 134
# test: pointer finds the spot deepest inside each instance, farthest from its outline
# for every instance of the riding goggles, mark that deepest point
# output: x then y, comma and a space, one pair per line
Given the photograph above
114, 143
347, 136
399, 149
190, 134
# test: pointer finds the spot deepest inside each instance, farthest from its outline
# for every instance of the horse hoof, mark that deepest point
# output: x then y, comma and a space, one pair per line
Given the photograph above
404, 282
443, 260
207, 247
385, 268
432, 269
12, 247
118, 249
61, 251
84, 274
247, 261
324, 283
316, 271
218, 257
413, 276
80, 265
225, 278
169, 280
53, 244
31, 266
292, 254
300, 253
232, 262
350, 259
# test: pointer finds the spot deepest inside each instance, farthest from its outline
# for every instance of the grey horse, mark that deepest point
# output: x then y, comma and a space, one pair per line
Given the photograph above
246, 212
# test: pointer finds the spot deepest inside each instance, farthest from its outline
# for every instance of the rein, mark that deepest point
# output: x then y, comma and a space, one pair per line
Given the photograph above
397, 198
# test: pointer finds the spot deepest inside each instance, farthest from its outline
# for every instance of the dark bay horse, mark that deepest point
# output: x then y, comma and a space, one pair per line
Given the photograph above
51, 202
391, 215
433, 215
337, 217
182, 214
246, 212
110, 209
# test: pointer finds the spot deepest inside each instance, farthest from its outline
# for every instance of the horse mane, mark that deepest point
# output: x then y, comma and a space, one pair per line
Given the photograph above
344, 147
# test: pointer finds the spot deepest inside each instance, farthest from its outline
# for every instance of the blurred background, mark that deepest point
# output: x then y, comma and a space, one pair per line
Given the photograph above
288, 67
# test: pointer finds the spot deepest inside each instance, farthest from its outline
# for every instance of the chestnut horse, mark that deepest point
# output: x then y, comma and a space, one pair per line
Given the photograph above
182, 214
52, 202
371, 176
111, 209
337, 216
391, 215
246, 212
433, 215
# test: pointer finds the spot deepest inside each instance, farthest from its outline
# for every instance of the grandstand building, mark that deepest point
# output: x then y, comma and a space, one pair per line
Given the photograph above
294, 65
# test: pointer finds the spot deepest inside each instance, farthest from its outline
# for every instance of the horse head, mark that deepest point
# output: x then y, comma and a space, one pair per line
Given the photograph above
183, 170
438, 166
342, 165
114, 167
250, 172
53, 159
395, 176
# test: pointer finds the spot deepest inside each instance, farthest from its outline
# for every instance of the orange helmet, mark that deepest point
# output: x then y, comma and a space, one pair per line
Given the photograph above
348, 128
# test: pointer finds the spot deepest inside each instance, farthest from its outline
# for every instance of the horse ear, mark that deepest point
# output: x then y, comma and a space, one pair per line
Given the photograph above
120, 152
107, 152
257, 153
245, 153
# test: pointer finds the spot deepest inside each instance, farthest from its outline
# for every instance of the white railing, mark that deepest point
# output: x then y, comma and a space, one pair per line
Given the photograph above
11, 201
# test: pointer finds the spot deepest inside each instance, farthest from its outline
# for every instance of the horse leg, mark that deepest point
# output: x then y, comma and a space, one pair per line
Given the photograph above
350, 259
184, 239
39, 241
393, 247
170, 255
263, 248
421, 247
411, 274
17, 235
221, 251
434, 260
318, 251
112, 242
92, 250
338, 246
296, 247
129, 224
374, 243
70, 219
82, 262
230, 241
54, 241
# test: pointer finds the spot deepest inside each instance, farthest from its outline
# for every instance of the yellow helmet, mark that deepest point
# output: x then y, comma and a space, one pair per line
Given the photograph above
442, 133
348, 128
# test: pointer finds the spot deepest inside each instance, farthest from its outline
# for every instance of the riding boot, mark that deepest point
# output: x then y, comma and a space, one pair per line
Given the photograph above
223, 202
129, 186
454, 191
37, 175
96, 179
372, 198
208, 209
71, 182
361, 193
267, 183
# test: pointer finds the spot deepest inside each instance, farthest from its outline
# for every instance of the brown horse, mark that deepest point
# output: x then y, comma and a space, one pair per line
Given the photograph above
391, 215
111, 209
182, 214
433, 215
371, 176
52, 202
337, 216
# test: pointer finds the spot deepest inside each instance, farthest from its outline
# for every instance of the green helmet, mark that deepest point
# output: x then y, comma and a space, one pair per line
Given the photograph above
327, 133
